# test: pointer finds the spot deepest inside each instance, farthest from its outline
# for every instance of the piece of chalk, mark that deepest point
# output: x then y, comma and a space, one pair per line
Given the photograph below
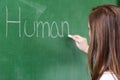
69, 36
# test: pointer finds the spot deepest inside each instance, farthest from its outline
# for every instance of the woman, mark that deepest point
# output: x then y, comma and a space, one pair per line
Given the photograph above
104, 48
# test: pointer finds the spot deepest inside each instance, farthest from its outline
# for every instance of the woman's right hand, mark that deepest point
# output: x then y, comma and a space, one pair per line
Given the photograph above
81, 43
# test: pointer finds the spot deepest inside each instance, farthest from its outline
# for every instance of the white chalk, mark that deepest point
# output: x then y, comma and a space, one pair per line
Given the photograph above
69, 36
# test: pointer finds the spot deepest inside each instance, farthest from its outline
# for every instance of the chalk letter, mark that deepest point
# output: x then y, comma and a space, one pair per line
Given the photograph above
67, 25
43, 24
13, 22
25, 31
54, 24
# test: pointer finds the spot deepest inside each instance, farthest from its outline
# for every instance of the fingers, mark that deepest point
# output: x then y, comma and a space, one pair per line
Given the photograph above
77, 38
80, 42
77, 44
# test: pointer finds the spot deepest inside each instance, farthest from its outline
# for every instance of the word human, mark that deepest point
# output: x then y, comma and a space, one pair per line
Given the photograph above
36, 26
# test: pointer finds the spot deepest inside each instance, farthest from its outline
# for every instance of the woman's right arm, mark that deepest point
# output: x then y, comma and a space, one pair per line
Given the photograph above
81, 43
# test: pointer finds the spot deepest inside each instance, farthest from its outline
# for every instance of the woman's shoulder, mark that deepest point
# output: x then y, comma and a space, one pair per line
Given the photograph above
108, 76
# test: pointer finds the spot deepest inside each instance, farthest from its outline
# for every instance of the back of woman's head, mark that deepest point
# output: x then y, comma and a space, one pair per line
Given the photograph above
104, 50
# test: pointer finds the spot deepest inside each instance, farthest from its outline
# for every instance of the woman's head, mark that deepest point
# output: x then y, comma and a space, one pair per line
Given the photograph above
104, 50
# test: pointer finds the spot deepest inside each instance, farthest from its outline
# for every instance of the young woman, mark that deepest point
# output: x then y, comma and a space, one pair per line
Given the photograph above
104, 48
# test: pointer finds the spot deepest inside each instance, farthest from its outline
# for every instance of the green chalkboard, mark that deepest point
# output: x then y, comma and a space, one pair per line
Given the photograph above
34, 43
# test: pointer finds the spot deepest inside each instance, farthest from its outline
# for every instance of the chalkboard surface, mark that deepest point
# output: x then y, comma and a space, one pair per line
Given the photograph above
34, 43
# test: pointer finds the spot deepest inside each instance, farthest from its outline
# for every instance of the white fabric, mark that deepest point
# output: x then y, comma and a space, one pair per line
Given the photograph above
108, 76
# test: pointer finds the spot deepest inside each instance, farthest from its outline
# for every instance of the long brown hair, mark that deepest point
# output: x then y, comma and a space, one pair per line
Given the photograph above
104, 48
